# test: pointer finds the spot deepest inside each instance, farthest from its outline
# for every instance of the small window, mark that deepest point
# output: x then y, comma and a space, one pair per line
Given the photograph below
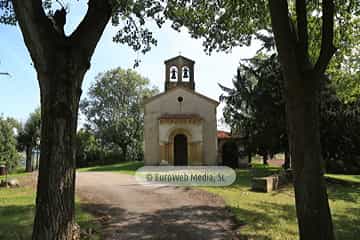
180, 99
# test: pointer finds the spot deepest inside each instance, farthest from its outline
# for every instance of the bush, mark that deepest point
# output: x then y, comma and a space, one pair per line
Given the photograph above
8, 154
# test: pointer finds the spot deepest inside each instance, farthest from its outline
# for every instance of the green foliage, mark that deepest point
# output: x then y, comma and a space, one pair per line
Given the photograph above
132, 17
344, 67
114, 113
29, 134
340, 127
255, 108
88, 149
225, 24
8, 153
221, 24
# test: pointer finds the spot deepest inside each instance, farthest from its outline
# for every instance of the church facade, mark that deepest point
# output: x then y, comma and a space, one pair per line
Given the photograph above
180, 126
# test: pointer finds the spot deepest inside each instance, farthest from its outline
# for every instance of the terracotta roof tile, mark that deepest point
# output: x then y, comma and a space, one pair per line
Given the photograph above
223, 134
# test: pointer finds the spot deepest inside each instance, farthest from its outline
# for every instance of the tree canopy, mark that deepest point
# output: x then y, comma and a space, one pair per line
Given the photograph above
8, 153
114, 111
255, 109
29, 135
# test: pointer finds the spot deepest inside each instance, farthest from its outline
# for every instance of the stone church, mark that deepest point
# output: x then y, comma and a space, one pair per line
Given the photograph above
180, 123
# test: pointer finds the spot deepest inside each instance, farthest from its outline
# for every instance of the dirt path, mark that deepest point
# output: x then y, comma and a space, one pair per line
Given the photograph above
132, 211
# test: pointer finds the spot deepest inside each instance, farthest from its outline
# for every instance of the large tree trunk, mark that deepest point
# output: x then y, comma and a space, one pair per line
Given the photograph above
60, 95
312, 205
249, 155
287, 161
29, 164
302, 83
265, 157
61, 62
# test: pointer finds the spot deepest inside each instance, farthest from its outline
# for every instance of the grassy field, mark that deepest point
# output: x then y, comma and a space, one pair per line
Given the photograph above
18, 173
17, 207
349, 178
125, 167
263, 216
272, 215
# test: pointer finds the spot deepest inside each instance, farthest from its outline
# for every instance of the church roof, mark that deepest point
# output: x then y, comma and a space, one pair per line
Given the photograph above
185, 58
180, 116
147, 100
223, 134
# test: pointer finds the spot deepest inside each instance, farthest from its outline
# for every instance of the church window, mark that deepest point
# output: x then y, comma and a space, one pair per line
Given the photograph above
173, 73
185, 73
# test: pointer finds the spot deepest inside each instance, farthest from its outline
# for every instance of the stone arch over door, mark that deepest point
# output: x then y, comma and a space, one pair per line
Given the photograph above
171, 147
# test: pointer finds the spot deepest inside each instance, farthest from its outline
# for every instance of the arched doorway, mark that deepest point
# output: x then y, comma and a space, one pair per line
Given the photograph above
180, 150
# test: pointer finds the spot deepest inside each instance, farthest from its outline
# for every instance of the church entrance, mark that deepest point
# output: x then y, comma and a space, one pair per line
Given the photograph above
180, 150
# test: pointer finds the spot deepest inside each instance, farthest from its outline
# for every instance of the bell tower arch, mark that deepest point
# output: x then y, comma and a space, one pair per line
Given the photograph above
179, 71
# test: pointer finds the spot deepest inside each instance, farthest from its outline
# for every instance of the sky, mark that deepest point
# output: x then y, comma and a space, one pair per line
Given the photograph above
19, 93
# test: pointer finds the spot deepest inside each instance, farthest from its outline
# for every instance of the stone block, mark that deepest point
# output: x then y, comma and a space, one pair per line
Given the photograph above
243, 162
265, 184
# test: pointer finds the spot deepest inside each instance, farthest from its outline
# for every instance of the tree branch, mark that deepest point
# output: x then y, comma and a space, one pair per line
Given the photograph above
89, 31
302, 34
327, 47
285, 38
36, 28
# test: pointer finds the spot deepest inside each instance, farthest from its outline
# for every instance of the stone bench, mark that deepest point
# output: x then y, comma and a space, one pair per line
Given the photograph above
264, 184
270, 183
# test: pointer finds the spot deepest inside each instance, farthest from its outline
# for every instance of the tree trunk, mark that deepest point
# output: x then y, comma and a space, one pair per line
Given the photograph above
37, 159
287, 163
265, 157
61, 62
249, 157
311, 198
60, 95
302, 84
124, 152
29, 164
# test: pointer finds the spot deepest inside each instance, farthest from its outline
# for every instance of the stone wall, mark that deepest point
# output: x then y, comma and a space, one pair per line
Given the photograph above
202, 148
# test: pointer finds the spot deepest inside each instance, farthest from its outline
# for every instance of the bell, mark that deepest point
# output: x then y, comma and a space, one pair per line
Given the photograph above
186, 73
173, 74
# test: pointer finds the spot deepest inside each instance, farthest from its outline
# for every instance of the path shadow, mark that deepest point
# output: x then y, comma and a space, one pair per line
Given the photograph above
266, 216
345, 193
183, 223
347, 224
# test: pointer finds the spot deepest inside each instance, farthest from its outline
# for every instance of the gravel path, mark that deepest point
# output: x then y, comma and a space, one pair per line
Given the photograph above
130, 211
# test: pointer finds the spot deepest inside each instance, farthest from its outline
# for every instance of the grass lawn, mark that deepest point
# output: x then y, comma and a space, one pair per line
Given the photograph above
17, 207
124, 167
16, 174
349, 178
268, 216
272, 215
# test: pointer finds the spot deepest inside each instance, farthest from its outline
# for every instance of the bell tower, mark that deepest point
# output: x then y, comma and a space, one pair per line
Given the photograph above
179, 72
